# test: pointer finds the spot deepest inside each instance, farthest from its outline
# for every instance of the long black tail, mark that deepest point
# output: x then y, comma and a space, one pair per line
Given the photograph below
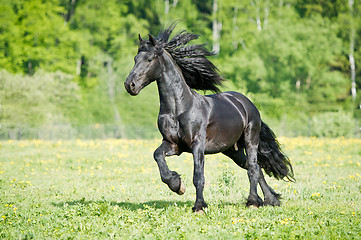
271, 158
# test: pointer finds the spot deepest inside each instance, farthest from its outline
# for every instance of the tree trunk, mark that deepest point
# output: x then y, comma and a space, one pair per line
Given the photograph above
71, 10
78, 67
258, 17
235, 28
266, 14
166, 7
217, 27
351, 52
111, 94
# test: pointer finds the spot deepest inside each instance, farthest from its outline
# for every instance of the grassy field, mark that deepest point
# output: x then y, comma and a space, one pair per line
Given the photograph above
107, 189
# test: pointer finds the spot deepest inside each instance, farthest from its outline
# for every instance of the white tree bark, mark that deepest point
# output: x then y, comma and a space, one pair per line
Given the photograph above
78, 67
217, 27
258, 20
351, 52
266, 14
258, 17
166, 7
235, 28
111, 94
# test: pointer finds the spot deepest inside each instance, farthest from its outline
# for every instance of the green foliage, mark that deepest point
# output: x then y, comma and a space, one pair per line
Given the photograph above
34, 37
226, 181
333, 124
290, 64
290, 57
44, 98
328, 9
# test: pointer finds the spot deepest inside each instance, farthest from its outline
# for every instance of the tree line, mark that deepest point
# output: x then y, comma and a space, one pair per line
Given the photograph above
65, 61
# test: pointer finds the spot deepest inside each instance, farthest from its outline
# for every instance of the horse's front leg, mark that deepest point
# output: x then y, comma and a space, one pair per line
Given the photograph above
171, 178
198, 175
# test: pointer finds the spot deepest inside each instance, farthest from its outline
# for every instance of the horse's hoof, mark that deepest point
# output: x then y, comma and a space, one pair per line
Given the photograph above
272, 202
200, 211
254, 202
182, 188
252, 206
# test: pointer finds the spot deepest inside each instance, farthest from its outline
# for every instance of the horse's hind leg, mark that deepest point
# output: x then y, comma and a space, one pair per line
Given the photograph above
251, 141
271, 197
171, 178
240, 159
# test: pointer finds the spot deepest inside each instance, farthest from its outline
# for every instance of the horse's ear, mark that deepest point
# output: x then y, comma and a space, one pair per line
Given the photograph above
140, 39
152, 40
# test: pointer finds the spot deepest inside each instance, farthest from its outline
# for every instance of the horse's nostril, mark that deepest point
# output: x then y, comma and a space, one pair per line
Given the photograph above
132, 84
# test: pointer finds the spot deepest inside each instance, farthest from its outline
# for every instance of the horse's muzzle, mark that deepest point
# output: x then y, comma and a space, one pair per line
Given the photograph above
131, 87
132, 84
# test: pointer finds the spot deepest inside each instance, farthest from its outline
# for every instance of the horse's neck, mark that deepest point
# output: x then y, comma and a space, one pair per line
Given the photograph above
174, 94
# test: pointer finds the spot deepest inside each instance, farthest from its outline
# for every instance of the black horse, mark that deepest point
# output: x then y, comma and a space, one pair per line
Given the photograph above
225, 122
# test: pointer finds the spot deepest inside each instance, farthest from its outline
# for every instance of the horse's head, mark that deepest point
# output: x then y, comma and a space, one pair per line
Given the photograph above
146, 68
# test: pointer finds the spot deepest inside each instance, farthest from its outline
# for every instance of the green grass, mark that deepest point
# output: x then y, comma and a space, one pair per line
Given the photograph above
112, 189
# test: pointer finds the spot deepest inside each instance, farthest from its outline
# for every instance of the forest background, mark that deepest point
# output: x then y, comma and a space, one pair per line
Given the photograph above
63, 63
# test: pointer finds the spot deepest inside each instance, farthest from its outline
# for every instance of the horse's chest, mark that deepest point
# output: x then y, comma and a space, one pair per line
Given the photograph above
168, 126
175, 129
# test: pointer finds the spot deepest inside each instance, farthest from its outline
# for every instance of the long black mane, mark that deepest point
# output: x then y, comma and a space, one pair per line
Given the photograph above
198, 72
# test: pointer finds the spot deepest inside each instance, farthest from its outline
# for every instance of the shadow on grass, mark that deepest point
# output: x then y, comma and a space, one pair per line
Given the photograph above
128, 205
157, 204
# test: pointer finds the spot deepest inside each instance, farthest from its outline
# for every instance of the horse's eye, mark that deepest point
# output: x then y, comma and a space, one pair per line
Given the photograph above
150, 59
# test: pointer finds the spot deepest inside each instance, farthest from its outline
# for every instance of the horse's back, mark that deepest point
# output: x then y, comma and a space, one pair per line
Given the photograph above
247, 109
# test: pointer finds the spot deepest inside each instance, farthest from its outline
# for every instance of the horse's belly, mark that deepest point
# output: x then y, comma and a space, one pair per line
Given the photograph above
226, 122
223, 134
